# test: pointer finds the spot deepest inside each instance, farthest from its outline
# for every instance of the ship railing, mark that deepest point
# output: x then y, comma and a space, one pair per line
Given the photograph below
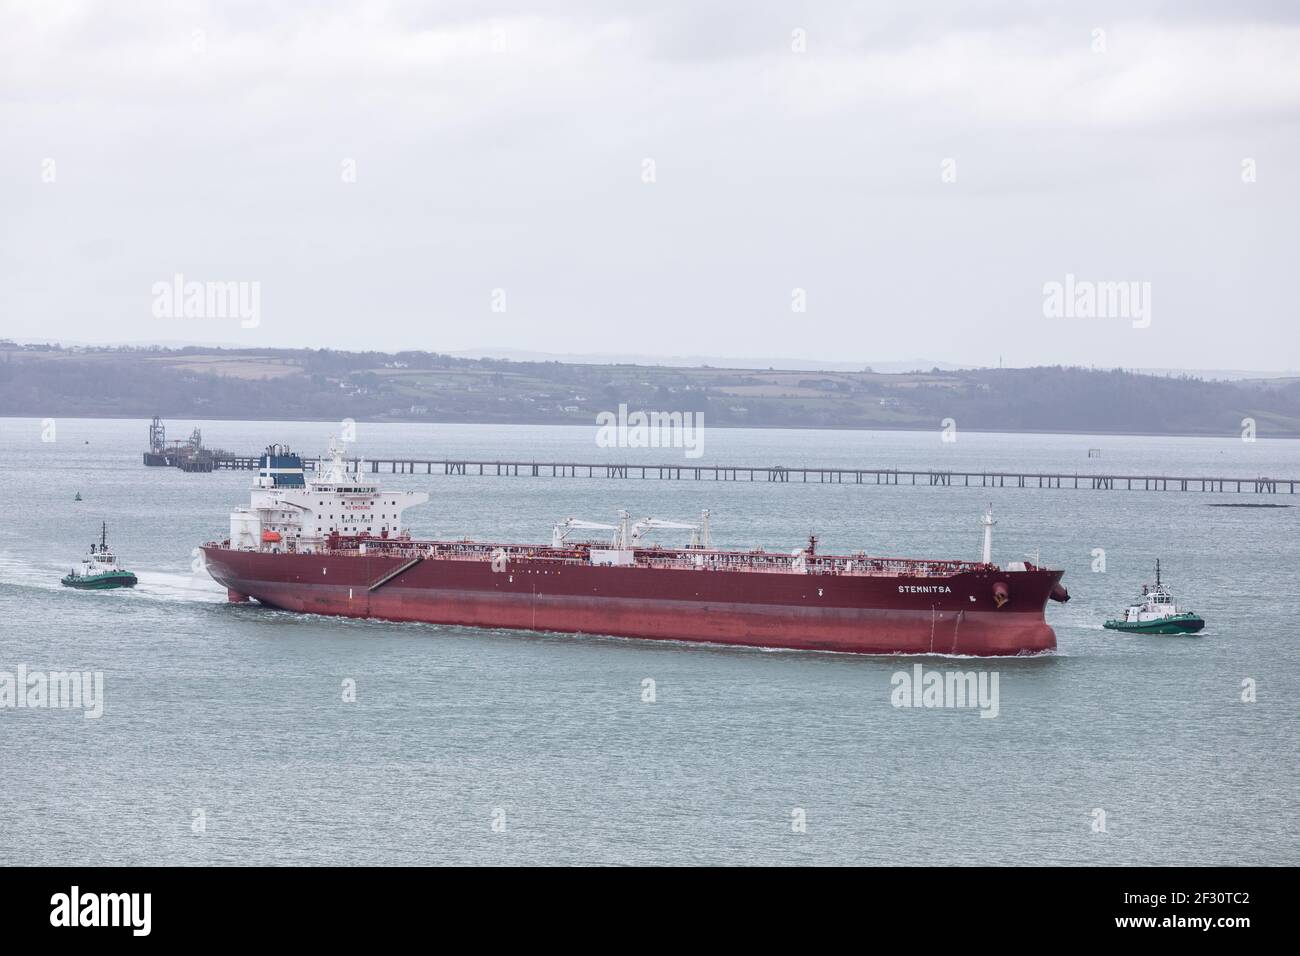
784, 565
686, 559
696, 560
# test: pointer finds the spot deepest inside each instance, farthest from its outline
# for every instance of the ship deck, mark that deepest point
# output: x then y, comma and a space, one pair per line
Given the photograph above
580, 555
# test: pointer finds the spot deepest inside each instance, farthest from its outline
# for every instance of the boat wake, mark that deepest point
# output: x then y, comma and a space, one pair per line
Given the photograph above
153, 585
23, 573
164, 586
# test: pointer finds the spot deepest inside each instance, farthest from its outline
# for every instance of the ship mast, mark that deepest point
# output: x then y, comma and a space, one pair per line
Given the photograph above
103, 536
1157, 572
987, 523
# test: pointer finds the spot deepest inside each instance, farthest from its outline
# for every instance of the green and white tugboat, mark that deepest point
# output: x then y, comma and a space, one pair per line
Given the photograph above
100, 571
1157, 613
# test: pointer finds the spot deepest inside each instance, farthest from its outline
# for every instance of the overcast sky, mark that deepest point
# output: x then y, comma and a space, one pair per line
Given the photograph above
503, 146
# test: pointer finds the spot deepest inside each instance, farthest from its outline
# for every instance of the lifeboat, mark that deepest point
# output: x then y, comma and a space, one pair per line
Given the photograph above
270, 536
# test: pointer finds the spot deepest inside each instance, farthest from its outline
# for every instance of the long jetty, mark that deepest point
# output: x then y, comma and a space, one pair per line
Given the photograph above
805, 474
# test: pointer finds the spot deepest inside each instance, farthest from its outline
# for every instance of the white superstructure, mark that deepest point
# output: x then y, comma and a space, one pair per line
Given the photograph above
1156, 604
289, 512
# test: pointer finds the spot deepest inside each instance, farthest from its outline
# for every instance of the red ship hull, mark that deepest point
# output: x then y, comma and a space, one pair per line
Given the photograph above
978, 610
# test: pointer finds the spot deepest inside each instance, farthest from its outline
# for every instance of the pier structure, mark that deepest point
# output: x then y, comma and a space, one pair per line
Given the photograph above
190, 455
1094, 481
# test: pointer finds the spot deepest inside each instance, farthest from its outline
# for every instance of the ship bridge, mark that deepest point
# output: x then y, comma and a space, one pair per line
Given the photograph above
288, 512
279, 468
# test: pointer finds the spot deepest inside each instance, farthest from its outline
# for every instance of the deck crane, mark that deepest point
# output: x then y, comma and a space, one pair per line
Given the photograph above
628, 533
699, 532
575, 524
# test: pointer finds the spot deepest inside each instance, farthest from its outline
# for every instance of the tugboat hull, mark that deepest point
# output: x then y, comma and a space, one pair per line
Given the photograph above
100, 582
1180, 624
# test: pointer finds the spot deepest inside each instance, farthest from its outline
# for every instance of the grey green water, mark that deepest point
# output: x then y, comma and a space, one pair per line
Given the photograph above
234, 715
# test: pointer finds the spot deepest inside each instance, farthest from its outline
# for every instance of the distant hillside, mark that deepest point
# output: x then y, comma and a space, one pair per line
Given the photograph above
322, 385
696, 361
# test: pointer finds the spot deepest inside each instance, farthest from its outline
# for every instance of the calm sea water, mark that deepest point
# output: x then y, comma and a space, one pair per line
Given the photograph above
238, 711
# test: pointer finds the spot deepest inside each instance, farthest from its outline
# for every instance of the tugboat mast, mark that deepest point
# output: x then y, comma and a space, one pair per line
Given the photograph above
1157, 572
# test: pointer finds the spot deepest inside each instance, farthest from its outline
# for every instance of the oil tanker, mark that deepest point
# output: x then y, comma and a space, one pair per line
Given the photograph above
334, 542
